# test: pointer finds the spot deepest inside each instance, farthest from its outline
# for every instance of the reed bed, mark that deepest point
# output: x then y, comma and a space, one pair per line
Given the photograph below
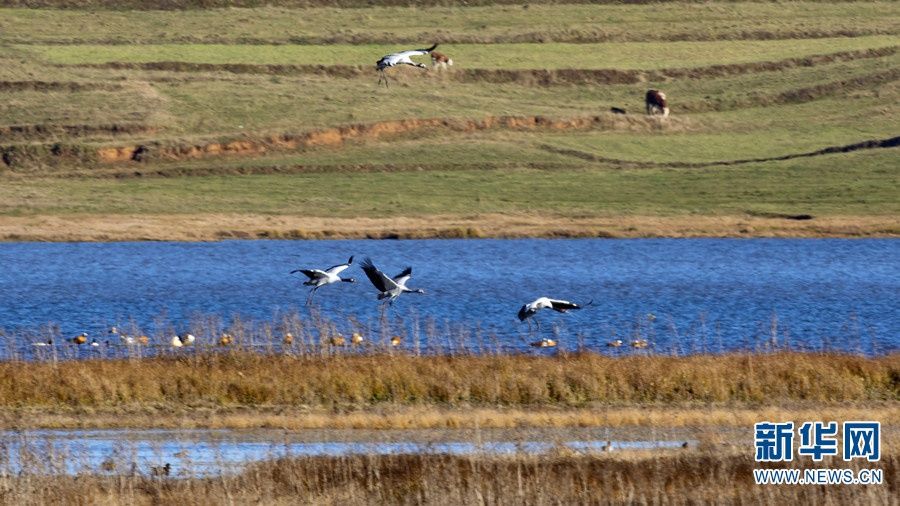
338, 379
689, 476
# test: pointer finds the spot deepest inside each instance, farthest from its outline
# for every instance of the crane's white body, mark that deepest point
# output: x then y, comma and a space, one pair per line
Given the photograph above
560, 306
402, 58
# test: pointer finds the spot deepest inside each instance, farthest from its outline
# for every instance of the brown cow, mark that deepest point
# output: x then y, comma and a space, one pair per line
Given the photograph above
656, 103
440, 60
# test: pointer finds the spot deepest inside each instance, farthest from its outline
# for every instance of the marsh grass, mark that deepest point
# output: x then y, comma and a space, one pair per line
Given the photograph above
558, 477
336, 380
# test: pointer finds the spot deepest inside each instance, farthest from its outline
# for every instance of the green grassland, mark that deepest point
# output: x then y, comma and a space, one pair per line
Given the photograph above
536, 23
852, 184
745, 81
620, 55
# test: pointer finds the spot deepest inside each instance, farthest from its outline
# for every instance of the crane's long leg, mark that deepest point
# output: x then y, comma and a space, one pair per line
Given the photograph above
311, 293
383, 78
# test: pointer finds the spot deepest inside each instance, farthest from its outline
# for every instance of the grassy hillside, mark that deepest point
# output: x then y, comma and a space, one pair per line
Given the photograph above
235, 111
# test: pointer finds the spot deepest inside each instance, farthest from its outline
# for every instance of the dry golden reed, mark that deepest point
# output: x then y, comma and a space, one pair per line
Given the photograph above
354, 380
680, 476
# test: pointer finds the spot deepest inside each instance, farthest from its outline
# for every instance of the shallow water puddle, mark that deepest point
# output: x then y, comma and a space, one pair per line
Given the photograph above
210, 452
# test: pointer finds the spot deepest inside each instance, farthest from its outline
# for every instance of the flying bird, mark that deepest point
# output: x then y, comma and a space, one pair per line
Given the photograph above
389, 288
401, 58
319, 278
560, 306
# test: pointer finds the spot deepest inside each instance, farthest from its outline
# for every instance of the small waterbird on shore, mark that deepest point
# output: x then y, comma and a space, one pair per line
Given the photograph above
544, 343
80, 338
48, 342
288, 339
560, 306
319, 278
356, 338
226, 340
388, 288
182, 340
160, 471
639, 343
396, 340
123, 338
615, 343
399, 58
337, 340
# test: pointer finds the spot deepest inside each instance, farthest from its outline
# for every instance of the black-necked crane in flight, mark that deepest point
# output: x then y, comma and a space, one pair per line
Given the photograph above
319, 278
560, 306
400, 58
389, 288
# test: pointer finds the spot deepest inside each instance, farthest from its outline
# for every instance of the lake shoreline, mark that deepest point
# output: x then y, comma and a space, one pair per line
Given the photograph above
214, 227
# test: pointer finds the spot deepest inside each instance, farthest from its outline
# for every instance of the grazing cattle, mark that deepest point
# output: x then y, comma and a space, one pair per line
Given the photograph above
617, 110
656, 103
440, 60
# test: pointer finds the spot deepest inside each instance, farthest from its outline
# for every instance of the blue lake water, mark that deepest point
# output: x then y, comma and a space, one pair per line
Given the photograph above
682, 295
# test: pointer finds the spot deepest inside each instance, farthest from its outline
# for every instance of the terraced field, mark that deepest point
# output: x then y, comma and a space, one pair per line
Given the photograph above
228, 117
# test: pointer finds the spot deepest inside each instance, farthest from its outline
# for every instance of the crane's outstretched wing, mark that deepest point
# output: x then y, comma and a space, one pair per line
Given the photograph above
414, 52
339, 268
312, 273
524, 313
563, 305
404, 276
379, 279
